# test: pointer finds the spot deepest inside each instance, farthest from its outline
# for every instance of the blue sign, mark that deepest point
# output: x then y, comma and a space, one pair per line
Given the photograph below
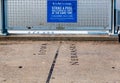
62, 11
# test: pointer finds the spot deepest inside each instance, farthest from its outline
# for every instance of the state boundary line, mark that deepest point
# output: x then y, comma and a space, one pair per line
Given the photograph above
53, 64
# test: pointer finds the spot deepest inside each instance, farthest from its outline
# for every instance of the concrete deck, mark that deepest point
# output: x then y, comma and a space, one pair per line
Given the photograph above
59, 62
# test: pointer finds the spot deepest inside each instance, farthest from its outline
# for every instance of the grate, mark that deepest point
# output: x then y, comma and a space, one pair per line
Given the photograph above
32, 14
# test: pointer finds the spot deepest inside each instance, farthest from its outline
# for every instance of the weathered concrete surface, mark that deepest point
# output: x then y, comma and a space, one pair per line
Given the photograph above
26, 62
59, 38
76, 62
87, 62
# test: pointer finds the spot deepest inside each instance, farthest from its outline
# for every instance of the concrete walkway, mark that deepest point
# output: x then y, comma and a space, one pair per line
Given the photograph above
59, 62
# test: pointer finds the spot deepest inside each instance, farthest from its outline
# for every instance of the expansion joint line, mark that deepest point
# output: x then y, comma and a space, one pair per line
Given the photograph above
53, 64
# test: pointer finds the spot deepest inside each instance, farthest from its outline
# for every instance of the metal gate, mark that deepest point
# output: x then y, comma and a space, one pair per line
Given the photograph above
34, 15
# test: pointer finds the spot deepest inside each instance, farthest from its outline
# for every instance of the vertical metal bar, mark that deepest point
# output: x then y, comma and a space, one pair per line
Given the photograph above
113, 16
0, 17
4, 30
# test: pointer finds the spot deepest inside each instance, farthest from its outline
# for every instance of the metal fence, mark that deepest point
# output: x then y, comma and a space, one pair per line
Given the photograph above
26, 14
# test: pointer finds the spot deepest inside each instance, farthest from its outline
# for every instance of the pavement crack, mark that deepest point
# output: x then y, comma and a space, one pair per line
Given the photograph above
53, 64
